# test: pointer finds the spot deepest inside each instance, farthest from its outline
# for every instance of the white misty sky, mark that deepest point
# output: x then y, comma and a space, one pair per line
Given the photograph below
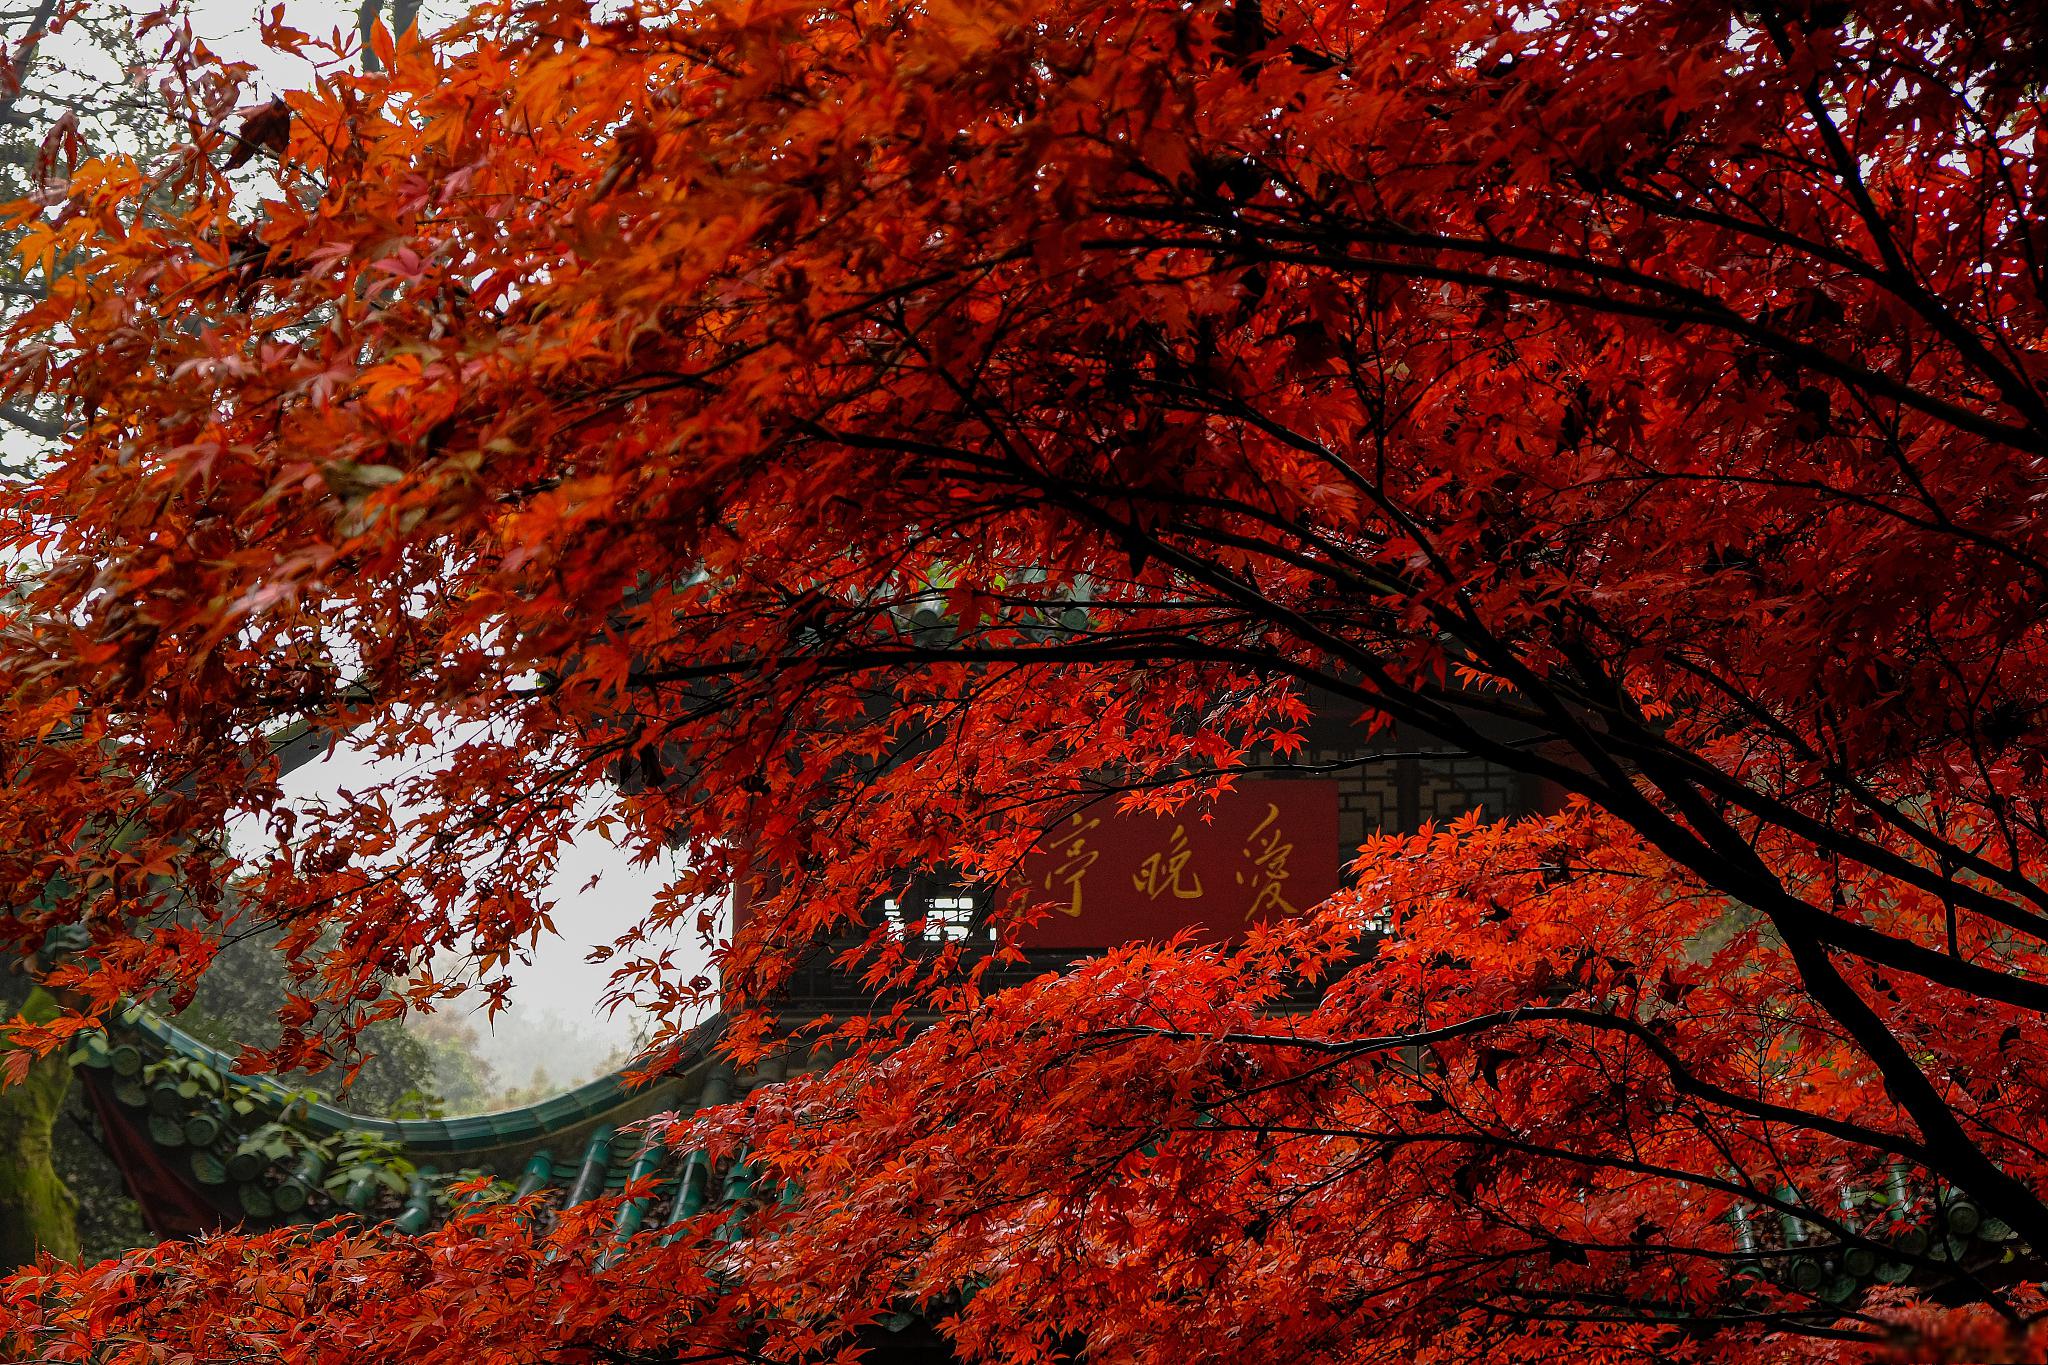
231, 28
559, 988
559, 1027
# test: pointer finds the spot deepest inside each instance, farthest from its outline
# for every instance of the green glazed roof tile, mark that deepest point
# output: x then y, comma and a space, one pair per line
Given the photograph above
540, 1170
264, 1184
436, 1136
419, 1204
591, 1178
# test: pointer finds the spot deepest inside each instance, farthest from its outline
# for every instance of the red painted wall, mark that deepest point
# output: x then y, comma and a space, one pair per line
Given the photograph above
1263, 851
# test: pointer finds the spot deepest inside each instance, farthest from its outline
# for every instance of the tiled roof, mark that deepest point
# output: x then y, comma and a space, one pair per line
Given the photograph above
579, 1145
217, 1137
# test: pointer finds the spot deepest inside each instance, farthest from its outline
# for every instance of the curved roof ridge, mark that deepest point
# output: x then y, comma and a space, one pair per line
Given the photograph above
526, 1122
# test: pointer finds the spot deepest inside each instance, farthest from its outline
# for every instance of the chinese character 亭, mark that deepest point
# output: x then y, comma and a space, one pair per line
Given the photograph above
1076, 857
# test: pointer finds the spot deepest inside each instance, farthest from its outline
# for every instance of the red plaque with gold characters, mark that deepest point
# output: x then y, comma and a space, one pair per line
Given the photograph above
1263, 851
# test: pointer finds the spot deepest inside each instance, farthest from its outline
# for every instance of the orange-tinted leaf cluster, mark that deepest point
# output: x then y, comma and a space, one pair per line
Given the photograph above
844, 435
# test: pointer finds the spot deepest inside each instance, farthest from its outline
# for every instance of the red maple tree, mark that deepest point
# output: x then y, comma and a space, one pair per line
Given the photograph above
871, 428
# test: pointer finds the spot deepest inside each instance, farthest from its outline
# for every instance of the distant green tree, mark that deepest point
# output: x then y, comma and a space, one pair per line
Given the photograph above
409, 1071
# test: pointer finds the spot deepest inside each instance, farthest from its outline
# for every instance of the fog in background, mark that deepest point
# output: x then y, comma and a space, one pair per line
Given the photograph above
554, 1034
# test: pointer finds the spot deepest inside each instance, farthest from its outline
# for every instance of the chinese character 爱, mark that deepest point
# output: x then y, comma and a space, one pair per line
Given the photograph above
1268, 874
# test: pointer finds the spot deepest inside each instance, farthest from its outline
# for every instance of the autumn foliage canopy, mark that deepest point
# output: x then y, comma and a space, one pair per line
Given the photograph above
842, 435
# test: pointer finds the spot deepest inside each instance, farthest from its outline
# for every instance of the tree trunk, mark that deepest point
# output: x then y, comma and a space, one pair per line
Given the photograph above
37, 1213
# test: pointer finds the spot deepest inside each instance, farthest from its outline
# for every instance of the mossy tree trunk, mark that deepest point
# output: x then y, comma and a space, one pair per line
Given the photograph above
37, 1213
